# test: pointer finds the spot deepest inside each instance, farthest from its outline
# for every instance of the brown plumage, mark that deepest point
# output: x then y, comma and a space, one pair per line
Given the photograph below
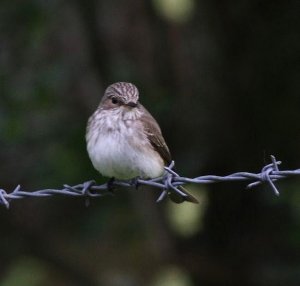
125, 141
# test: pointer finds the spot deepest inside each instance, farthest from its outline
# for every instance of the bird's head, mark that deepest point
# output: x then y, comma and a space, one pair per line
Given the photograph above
120, 94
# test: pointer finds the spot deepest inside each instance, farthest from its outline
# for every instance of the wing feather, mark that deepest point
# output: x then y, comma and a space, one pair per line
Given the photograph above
156, 139
154, 136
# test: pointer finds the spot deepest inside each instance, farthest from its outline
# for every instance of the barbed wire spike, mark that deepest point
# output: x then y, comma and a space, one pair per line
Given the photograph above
169, 182
3, 199
265, 176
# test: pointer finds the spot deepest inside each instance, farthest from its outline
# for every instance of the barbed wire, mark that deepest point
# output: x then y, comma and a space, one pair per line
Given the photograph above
169, 182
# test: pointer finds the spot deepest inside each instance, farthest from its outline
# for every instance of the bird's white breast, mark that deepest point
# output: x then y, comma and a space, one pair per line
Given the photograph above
118, 146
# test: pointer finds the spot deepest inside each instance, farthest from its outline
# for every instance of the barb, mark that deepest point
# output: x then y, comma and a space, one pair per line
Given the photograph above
169, 182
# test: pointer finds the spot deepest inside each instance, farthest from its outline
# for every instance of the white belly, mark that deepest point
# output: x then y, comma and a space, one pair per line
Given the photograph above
124, 154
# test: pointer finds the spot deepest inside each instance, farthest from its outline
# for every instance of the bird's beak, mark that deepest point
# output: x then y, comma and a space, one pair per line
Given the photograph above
131, 104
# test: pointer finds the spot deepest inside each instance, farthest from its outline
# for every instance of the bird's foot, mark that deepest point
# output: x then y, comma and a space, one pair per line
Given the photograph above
135, 182
110, 184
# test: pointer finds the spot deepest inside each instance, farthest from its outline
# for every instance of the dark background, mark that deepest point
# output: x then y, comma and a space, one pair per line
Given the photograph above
221, 79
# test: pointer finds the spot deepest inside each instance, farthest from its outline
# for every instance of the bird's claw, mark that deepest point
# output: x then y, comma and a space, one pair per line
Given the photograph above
135, 182
110, 184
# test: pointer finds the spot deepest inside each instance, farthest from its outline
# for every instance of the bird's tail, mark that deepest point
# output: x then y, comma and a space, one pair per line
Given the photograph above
178, 198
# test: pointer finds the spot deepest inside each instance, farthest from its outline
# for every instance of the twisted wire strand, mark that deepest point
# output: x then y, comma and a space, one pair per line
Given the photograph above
169, 182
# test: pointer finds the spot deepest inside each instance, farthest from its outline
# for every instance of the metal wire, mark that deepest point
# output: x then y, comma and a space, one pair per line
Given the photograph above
169, 182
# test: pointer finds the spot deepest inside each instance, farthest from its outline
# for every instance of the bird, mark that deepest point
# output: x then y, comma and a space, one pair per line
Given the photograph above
124, 141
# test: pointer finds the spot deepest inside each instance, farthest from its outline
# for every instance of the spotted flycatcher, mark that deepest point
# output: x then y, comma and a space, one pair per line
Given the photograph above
124, 141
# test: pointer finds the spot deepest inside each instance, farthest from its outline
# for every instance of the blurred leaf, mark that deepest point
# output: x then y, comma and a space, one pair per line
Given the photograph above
25, 271
172, 276
177, 11
187, 219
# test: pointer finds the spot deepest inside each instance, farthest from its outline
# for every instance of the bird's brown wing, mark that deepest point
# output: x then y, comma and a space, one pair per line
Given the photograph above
155, 137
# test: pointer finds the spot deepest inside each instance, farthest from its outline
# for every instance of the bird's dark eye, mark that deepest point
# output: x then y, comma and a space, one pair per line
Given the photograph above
114, 101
